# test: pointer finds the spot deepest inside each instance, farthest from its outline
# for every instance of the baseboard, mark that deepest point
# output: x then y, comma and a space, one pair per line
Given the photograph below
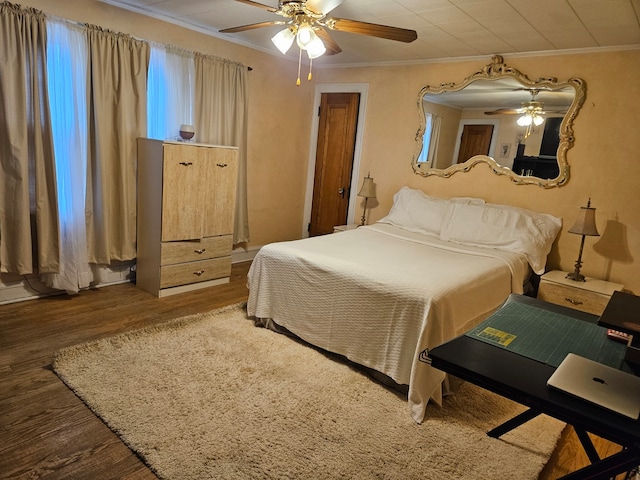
20, 288
241, 254
26, 288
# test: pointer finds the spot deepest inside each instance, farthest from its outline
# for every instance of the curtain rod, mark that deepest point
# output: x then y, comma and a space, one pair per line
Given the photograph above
85, 25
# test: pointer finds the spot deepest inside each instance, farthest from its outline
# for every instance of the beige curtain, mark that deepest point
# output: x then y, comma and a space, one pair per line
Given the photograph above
28, 210
118, 69
221, 119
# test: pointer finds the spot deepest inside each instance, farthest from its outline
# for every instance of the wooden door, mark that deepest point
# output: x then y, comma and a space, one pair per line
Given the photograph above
476, 140
183, 187
334, 161
220, 197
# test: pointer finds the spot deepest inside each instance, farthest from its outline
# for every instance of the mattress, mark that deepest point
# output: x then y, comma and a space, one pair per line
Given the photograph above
379, 295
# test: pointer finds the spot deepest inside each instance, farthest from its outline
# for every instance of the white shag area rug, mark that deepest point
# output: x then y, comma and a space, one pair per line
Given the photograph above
212, 396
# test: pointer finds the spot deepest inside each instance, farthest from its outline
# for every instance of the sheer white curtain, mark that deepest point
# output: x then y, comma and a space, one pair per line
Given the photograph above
67, 66
170, 91
430, 139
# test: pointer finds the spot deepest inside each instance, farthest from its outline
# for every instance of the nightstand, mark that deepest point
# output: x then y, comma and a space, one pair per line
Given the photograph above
590, 296
344, 228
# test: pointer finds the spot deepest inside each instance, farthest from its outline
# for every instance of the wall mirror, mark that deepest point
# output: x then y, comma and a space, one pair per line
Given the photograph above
519, 127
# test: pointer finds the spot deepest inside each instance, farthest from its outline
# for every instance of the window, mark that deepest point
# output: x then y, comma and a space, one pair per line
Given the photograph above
170, 91
430, 139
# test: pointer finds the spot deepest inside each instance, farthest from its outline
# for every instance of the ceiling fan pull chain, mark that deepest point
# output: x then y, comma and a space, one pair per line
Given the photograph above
299, 62
310, 66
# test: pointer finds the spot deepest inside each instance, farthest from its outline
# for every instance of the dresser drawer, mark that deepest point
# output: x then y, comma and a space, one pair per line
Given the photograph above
193, 272
189, 251
572, 297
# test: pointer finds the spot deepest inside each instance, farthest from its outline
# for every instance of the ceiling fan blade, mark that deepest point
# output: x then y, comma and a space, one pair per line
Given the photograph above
259, 5
323, 6
252, 26
332, 47
504, 111
372, 29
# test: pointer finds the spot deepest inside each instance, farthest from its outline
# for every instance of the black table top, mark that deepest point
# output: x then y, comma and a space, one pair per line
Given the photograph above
525, 381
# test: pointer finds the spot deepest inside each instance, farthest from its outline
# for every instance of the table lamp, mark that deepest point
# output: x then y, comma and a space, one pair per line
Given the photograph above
367, 191
585, 225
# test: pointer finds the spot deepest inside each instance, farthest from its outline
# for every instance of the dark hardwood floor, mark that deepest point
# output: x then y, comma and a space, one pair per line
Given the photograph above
46, 432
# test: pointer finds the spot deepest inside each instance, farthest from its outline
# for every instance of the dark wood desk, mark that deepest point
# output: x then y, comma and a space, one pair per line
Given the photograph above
524, 380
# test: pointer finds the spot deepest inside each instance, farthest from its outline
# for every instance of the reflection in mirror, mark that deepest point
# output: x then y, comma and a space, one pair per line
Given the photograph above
521, 128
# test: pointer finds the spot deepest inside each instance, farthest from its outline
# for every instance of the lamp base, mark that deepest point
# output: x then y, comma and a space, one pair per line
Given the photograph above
363, 220
576, 276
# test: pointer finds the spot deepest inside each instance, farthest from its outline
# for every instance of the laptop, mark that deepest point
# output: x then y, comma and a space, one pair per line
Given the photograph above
600, 384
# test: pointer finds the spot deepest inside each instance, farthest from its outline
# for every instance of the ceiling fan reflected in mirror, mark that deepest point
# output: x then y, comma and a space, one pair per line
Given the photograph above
530, 113
307, 23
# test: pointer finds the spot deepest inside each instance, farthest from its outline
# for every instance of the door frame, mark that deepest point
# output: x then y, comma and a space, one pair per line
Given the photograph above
471, 121
363, 90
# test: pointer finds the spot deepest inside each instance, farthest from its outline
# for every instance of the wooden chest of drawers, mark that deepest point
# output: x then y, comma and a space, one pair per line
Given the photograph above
186, 205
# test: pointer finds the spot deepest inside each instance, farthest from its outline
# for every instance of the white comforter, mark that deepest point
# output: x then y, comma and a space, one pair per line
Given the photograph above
379, 295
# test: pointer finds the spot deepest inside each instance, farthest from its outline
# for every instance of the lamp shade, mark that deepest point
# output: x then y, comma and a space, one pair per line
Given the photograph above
368, 189
315, 48
585, 224
305, 36
283, 39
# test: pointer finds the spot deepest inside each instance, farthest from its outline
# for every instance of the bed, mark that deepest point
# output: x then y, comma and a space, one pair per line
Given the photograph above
381, 294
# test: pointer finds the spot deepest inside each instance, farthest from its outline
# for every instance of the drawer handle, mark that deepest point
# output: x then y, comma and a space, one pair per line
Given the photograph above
200, 251
186, 164
572, 301
199, 272
221, 165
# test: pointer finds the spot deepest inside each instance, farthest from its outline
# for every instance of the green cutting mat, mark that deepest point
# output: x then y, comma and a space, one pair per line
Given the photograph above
547, 336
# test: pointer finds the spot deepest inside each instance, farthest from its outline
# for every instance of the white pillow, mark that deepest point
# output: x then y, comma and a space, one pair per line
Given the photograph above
417, 212
508, 228
469, 200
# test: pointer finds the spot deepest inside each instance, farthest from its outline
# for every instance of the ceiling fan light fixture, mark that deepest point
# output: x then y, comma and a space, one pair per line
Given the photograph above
525, 120
316, 48
538, 120
284, 39
305, 36
306, 18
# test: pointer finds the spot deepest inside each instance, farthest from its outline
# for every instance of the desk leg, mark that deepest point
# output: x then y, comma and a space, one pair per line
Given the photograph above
515, 422
621, 462
587, 444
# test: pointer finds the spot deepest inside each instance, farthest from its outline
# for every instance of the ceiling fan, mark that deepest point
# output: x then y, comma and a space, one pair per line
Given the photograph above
307, 22
531, 107
530, 113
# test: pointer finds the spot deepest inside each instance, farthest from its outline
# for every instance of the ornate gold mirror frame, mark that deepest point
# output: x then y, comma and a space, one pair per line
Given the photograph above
491, 85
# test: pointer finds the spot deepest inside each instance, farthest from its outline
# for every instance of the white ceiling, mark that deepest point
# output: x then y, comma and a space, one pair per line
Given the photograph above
446, 28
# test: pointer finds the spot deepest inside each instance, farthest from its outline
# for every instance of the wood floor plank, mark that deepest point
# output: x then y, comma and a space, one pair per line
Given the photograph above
46, 432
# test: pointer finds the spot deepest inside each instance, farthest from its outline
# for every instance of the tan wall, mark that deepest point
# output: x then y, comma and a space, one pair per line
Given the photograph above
604, 161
